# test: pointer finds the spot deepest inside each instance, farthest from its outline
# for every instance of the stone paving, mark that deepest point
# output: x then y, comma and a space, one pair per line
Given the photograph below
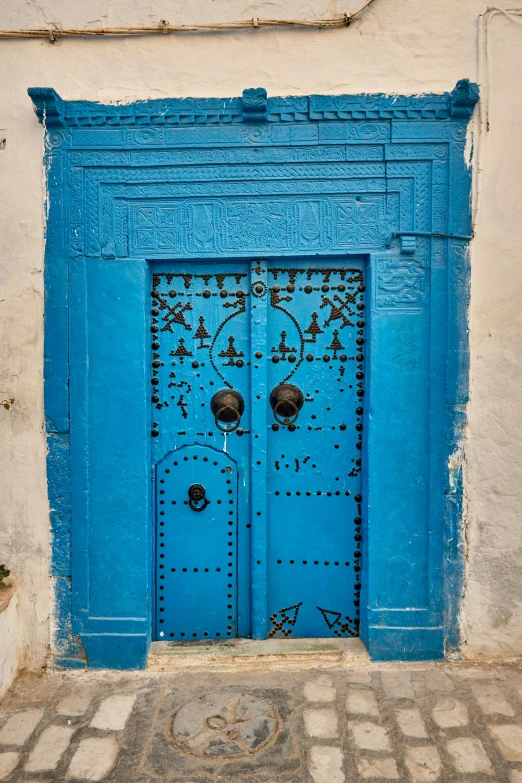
419, 723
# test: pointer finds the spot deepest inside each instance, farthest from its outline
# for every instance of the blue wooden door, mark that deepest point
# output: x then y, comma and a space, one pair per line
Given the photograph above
257, 409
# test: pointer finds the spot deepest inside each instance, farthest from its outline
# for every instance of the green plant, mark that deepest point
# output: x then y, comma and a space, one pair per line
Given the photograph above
7, 403
3, 573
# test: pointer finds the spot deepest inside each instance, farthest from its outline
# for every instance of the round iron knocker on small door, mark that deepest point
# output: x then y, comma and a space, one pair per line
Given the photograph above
197, 494
286, 401
227, 406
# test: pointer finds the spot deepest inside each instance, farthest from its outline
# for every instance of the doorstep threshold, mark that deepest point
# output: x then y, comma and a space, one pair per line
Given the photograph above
165, 656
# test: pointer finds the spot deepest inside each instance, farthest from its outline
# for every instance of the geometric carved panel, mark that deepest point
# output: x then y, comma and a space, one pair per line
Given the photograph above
261, 225
158, 228
400, 283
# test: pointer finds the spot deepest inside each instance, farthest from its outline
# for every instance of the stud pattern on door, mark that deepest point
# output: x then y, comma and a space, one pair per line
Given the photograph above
197, 538
200, 346
316, 342
288, 342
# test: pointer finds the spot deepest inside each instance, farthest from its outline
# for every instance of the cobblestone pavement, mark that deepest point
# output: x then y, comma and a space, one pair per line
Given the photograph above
420, 723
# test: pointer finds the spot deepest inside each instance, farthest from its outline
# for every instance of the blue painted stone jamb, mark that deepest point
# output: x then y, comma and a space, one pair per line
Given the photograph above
67, 646
116, 651
110, 459
405, 644
457, 396
463, 99
56, 293
454, 571
59, 502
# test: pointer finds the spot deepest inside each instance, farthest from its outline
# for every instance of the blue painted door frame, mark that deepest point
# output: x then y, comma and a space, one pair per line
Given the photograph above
386, 181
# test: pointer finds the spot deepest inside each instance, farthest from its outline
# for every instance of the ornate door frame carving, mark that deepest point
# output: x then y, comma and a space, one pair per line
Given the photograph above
372, 175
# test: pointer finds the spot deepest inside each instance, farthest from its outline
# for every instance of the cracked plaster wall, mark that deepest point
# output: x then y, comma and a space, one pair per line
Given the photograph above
398, 46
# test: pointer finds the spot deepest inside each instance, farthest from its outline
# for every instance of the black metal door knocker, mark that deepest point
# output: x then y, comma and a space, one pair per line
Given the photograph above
286, 401
196, 493
227, 406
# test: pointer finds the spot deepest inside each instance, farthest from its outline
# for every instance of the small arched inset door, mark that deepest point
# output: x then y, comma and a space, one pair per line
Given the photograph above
197, 542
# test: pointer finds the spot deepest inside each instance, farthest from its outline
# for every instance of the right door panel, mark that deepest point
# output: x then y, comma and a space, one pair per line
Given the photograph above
316, 342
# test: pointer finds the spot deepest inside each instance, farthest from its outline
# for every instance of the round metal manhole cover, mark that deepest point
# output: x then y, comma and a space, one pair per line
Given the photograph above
225, 725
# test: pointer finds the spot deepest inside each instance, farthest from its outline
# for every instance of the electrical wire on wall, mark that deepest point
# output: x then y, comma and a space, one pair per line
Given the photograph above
165, 27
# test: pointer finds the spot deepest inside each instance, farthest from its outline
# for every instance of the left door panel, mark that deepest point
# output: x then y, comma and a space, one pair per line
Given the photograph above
200, 347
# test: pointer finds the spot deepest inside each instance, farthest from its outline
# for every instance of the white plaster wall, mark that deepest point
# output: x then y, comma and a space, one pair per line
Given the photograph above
9, 647
493, 609
402, 46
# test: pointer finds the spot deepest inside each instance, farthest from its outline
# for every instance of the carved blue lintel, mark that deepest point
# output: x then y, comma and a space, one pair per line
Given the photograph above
463, 98
49, 107
255, 105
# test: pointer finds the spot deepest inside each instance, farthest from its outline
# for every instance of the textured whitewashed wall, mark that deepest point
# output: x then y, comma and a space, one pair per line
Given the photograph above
493, 609
9, 638
397, 47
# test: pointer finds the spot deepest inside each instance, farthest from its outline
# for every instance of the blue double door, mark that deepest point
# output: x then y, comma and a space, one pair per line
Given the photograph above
257, 379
